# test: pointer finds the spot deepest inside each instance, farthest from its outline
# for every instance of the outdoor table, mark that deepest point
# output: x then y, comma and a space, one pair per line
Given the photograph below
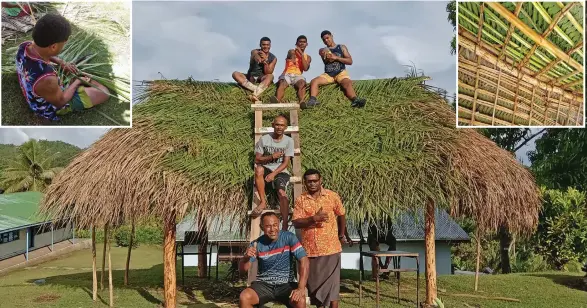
383, 268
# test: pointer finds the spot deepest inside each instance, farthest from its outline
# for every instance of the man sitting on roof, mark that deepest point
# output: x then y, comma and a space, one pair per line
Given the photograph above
43, 90
275, 279
297, 62
261, 66
335, 58
272, 155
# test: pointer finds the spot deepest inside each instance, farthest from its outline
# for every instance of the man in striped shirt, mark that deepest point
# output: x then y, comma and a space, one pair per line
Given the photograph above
275, 279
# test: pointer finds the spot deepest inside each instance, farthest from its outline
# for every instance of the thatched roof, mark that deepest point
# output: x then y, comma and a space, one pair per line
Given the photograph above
521, 63
191, 149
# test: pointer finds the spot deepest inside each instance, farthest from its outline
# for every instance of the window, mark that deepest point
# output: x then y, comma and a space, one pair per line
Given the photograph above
8, 237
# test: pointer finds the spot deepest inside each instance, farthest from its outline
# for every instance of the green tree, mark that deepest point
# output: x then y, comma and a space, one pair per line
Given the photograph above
451, 8
562, 227
31, 169
560, 159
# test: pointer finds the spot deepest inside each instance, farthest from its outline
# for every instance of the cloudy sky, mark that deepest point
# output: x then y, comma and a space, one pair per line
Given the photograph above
210, 40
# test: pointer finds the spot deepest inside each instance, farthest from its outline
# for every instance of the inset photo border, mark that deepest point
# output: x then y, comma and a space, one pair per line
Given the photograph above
66, 64
520, 64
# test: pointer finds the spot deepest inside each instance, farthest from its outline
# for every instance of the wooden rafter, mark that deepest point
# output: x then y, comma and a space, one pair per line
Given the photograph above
550, 28
510, 30
555, 62
544, 43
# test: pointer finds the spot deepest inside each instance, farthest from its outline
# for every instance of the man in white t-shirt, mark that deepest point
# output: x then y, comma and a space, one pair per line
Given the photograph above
273, 153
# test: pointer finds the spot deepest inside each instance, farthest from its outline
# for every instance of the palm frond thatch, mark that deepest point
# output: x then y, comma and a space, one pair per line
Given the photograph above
191, 149
521, 63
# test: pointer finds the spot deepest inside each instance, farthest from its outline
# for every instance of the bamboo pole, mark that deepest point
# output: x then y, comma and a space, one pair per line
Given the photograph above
475, 92
430, 238
110, 286
478, 238
532, 105
558, 106
496, 98
169, 261
103, 258
94, 273
516, 100
544, 43
130, 243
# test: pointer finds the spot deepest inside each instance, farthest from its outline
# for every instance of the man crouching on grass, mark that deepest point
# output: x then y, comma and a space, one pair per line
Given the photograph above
275, 279
44, 92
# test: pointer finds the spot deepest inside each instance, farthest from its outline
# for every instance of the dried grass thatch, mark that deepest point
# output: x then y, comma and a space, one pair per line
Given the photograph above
191, 149
521, 63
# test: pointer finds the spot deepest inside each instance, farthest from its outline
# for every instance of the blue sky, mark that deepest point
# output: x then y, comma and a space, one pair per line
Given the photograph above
210, 40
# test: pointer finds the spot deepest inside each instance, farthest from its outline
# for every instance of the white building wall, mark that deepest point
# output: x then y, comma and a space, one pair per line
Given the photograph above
350, 256
44, 239
40, 240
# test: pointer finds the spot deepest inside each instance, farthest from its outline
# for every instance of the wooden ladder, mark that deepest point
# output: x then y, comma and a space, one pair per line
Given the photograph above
295, 179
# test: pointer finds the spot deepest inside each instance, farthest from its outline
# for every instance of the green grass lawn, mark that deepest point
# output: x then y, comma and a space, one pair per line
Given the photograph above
110, 22
68, 283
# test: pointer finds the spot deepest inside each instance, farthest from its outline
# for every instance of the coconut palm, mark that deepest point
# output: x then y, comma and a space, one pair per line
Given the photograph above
31, 170
521, 63
191, 145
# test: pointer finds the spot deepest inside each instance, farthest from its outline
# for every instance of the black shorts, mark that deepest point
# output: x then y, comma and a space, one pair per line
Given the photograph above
280, 181
268, 293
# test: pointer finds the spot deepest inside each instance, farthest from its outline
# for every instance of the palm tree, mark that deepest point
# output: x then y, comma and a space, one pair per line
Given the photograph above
31, 170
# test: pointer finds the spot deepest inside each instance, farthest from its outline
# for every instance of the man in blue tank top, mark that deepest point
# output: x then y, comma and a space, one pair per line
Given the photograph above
335, 58
44, 92
275, 279
261, 66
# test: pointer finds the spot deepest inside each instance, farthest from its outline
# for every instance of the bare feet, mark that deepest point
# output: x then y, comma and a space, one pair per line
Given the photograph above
259, 209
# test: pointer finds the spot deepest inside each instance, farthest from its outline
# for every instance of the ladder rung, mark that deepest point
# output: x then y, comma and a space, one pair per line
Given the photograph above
297, 151
267, 130
277, 212
295, 179
290, 106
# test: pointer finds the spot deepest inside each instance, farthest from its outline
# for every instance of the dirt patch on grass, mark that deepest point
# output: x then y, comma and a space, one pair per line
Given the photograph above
47, 298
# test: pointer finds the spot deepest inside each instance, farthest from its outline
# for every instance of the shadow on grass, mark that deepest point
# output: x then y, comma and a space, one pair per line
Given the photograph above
15, 110
570, 281
145, 280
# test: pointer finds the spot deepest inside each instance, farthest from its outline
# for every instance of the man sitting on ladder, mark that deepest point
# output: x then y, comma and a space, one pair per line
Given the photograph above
275, 278
273, 153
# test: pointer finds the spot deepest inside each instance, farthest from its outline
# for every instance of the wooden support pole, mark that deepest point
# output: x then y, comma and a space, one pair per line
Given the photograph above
130, 243
203, 247
103, 258
430, 238
94, 273
169, 279
110, 286
478, 239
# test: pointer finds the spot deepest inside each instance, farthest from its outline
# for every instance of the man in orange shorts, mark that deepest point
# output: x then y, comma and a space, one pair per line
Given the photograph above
296, 63
335, 58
